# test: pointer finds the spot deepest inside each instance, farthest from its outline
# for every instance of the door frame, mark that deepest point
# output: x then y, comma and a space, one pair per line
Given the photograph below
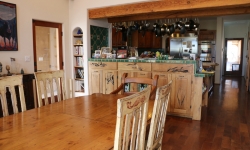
231, 73
52, 25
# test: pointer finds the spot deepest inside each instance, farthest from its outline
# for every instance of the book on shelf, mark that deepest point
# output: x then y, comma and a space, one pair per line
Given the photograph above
78, 50
80, 72
79, 61
79, 86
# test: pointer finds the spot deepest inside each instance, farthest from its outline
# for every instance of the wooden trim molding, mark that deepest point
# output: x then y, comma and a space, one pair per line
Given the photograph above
184, 14
171, 8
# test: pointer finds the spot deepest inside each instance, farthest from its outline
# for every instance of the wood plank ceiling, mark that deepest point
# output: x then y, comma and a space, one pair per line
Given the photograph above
167, 9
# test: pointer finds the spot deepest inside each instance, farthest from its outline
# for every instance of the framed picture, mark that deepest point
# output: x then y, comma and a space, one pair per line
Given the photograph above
97, 53
105, 50
121, 54
8, 27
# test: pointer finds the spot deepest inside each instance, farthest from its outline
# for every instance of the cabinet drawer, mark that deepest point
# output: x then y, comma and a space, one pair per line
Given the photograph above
134, 66
103, 65
173, 68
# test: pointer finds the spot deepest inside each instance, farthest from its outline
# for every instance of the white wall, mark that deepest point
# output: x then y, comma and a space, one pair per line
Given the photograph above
45, 10
238, 30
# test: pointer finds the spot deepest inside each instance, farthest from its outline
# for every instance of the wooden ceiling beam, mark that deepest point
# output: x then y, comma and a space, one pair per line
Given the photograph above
163, 6
184, 14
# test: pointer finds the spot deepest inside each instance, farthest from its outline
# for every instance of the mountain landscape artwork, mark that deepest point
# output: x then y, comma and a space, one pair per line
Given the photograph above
8, 27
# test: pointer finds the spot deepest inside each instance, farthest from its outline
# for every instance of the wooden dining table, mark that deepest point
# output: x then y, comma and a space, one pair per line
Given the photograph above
86, 122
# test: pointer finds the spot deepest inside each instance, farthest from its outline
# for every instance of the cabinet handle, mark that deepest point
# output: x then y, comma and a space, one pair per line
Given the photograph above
96, 71
181, 76
131, 64
142, 74
162, 75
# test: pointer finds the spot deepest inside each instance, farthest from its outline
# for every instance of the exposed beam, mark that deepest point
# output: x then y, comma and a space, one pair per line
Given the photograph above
163, 6
184, 14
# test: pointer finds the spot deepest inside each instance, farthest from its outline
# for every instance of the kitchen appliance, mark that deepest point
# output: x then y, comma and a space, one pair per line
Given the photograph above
183, 46
206, 50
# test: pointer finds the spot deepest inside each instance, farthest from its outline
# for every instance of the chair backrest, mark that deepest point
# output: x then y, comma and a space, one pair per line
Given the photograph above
11, 82
131, 121
138, 80
48, 85
158, 117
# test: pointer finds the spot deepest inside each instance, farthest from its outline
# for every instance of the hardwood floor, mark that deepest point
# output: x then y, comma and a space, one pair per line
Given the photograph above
225, 123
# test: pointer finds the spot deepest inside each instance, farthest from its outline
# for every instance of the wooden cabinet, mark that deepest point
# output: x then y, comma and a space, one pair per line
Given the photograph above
140, 41
117, 38
109, 81
207, 35
104, 77
95, 78
100, 77
156, 41
180, 102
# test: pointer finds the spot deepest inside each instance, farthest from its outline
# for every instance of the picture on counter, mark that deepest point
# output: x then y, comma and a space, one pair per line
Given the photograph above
105, 50
8, 27
121, 54
97, 53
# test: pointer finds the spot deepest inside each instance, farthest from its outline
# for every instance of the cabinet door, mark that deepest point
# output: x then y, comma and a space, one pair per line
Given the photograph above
95, 82
109, 81
181, 94
157, 42
114, 37
120, 42
148, 39
163, 79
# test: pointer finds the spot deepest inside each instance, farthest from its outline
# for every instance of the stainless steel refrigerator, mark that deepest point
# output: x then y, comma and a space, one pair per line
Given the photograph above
183, 46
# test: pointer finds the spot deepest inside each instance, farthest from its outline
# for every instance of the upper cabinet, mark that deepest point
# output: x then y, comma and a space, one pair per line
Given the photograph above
142, 39
207, 35
117, 38
157, 41
146, 39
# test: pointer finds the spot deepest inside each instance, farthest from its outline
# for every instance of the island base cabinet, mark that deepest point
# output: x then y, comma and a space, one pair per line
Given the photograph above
180, 102
109, 81
95, 81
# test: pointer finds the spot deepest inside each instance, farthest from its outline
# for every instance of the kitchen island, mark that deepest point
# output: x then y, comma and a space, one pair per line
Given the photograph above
186, 94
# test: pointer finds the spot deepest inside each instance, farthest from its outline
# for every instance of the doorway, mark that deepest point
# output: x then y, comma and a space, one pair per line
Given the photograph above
233, 56
47, 46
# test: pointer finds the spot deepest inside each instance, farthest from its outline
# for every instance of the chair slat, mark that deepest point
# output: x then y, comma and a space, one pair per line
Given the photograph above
159, 117
52, 81
10, 82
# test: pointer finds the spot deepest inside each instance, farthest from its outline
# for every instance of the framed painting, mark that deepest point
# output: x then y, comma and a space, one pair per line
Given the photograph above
8, 27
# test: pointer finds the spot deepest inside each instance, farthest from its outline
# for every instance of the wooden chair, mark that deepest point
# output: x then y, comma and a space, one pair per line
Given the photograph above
11, 82
131, 121
158, 117
48, 85
138, 80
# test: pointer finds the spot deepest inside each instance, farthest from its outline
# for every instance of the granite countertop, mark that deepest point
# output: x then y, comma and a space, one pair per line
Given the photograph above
174, 61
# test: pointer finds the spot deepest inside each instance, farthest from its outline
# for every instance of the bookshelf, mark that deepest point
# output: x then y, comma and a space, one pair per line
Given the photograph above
78, 54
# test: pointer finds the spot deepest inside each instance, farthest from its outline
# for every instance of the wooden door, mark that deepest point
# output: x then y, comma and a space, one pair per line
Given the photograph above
181, 94
95, 81
45, 58
109, 81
